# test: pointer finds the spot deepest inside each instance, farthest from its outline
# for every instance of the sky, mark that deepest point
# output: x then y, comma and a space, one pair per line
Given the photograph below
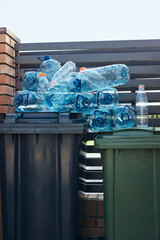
81, 20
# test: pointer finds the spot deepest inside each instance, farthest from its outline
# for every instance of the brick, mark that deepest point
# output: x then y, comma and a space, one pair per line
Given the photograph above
87, 222
6, 90
4, 48
4, 38
100, 207
5, 59
7, 109
6, 100
5, 79
9, 33
91, 207
92, 232
100, 222
4, 69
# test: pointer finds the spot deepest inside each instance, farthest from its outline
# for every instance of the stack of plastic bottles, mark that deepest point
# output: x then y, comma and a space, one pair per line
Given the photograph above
91, 92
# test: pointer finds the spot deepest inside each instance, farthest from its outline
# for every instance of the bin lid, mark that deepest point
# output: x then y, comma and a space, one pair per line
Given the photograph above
135, 138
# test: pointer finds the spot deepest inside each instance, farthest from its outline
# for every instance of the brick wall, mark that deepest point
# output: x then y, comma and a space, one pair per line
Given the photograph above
7, 70
91, 216
7, 81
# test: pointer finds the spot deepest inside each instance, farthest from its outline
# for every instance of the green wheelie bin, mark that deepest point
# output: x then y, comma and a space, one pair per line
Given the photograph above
131, 173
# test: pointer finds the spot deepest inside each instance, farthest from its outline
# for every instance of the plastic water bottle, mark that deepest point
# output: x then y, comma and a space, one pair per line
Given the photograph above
107, 99
58, 101
27, 101
124, 117
83, 103
30, 80
43, 84
141, 108
100, 121
49, 66
103, 77
64, 72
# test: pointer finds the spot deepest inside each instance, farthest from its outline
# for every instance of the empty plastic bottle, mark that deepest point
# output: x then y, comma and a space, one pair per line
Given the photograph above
30, 80
43, 84
103, 77
83, 103
64, 72
141, 107
100, 121
58, 101
124, 117
49, 66
107, 99
27, 101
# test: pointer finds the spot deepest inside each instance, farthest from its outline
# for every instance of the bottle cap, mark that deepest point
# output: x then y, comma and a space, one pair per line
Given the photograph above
42, 74
82, 68
47, 57
141, 86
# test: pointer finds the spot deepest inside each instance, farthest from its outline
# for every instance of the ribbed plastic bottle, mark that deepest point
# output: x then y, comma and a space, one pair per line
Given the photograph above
100, 121
83, 103
30, 80
64, 72
107, 99
27, 101
49, 66
43, 84
124, 117
141, 107
103, 77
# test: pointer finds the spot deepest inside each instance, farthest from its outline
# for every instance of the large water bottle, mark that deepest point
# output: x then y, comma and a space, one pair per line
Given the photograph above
83, 103
49, 66
64, 72
124, 117
100, 121
107, 99
30, 80
27, 101
43, 84
103, 77
58, 101
141, 107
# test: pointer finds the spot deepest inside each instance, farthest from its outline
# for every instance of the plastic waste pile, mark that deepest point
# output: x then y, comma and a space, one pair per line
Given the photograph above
92, 92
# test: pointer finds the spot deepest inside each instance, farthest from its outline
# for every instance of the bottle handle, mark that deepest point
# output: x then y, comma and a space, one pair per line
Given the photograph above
83, 101
31, 70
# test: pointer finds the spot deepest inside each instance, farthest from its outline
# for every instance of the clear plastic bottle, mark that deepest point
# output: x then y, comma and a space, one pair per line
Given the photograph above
30, 80
83, 103
64, 72
27, 101
103, 77
49, 66
107, 99
141, 107
43, 84
100, 121
124, 117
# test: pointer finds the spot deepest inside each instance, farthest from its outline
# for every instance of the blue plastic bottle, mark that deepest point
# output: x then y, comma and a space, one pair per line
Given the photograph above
64, 72
107, 99
103, 77
83, 103
124, 117
58, 101
30, 80
27, 101
100, 121
49, 66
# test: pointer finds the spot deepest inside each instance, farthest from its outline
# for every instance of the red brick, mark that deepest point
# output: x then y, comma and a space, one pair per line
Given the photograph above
5, 69
100, 207
6, 109
4, 38
91, 207
4, 48
5, 79
5, 59
1, 235
9, 33
92, 232
100, 222
6, 100
4, 89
